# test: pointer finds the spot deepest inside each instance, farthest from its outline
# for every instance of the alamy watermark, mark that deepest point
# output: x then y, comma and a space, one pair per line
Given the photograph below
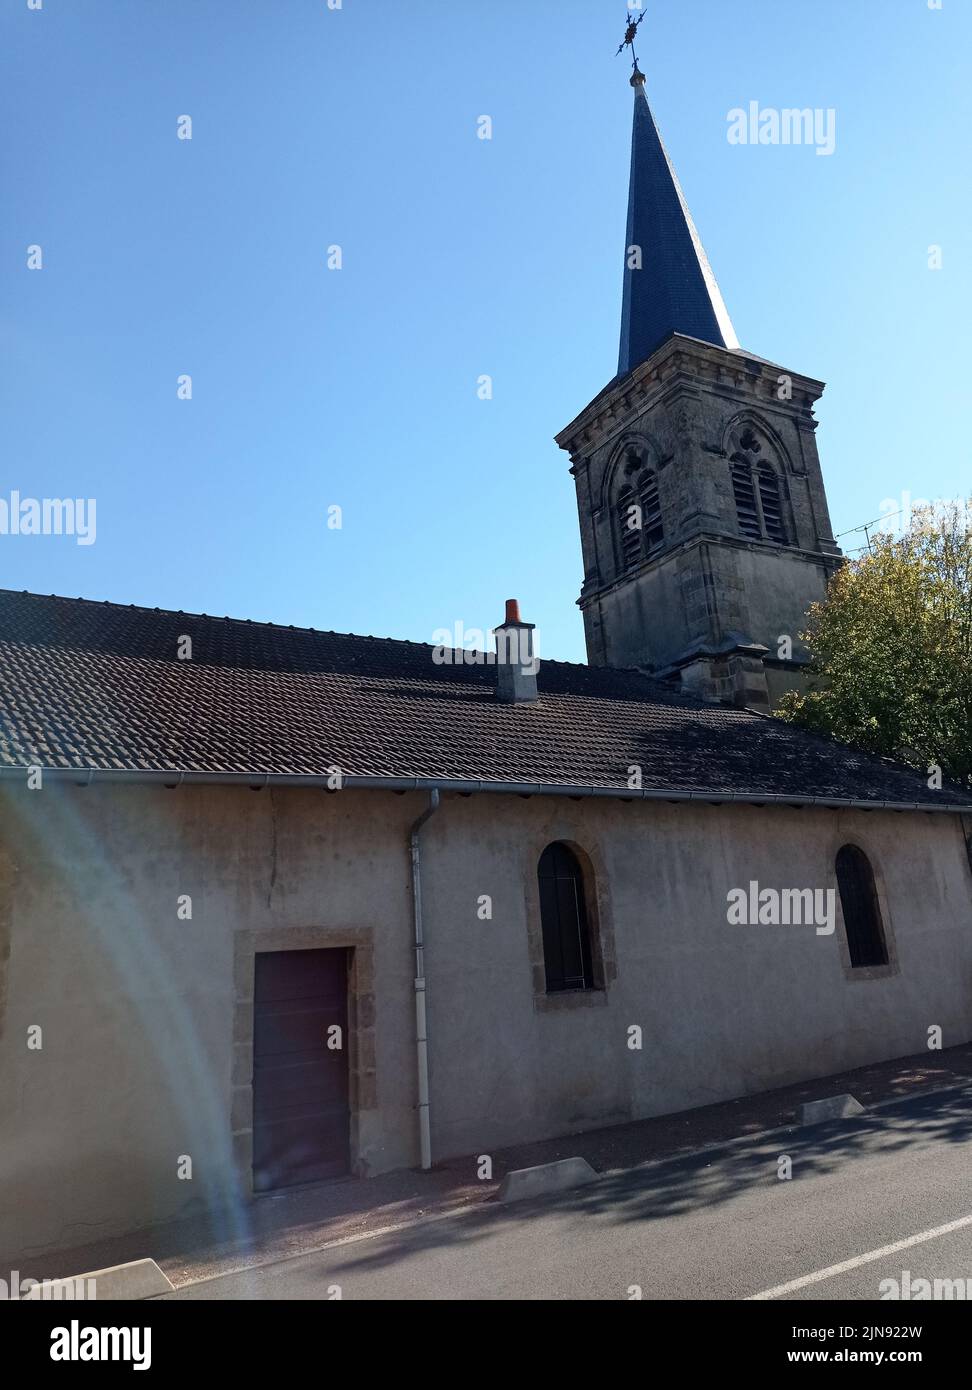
907, 1289
15, 1289
515, 646
77, 1343
49, 516
774, 907
766, 125
897, 513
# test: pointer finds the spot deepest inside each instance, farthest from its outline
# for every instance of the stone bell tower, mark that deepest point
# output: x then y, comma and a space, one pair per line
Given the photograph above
704, 522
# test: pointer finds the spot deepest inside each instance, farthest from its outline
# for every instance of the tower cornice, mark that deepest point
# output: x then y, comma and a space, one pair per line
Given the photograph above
688, 363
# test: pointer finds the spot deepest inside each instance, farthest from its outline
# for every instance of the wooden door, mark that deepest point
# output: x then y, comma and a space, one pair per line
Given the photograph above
301, 1117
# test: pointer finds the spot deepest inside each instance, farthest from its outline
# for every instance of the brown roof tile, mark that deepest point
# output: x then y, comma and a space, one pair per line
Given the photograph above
87, 685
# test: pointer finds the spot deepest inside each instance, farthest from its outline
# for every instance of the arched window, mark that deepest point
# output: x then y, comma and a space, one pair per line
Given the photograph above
629, 528
637, 511
651, 517
862, 911
769, 496
563, 917
745, 495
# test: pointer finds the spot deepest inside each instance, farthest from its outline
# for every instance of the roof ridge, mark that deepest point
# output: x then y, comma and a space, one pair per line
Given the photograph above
295, 627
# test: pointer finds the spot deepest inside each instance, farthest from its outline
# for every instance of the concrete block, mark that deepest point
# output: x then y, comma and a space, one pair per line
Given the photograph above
832, 1108
546, 1178
136, 1280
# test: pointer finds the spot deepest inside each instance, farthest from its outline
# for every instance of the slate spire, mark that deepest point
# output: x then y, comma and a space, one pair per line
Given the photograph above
675, 290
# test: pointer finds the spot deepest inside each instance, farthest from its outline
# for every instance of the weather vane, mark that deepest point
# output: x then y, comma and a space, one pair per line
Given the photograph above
629, 34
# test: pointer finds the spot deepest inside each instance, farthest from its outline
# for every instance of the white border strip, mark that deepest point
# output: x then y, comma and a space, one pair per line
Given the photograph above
821, 1274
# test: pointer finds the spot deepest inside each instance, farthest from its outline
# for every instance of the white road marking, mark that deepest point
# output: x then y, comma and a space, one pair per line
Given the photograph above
821, 1274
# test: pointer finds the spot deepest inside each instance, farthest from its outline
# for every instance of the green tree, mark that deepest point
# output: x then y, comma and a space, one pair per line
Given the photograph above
891, 648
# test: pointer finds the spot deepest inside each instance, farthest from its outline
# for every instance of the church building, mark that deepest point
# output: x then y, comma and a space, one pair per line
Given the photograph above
278, 905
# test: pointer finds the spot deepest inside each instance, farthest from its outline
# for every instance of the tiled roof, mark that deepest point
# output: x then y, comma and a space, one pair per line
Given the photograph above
88, 685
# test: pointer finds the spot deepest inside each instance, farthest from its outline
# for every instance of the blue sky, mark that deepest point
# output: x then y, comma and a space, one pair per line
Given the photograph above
358, 388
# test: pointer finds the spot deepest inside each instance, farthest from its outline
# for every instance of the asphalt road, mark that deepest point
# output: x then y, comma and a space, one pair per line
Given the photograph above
720, 1225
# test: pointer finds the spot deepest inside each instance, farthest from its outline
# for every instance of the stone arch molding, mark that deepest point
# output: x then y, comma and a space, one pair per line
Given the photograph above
750, 443
649, 455
771, 446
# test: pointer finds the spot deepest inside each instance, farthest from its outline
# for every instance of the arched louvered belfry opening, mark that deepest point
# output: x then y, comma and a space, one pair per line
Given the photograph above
758, 476
652, 530
629, 528
771, 502
638, 513
859, 903
565, 922
744, 493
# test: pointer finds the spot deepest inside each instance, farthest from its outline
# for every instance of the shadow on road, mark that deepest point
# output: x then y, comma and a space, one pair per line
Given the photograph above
687, 1183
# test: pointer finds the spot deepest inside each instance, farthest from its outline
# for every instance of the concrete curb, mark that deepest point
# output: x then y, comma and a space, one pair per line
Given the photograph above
472, 1209
137, 1280
545, 1178
813, 1112
719, 1145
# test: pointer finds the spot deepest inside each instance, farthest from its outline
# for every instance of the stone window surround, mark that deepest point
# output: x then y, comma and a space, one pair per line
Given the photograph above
596, 884
863, 972
766, 449
360, 1040
599, 920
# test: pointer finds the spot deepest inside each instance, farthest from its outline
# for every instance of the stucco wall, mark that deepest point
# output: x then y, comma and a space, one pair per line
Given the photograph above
146, 1018
724, 1010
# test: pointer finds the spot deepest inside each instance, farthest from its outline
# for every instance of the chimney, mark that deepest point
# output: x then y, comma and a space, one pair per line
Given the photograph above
516, 664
